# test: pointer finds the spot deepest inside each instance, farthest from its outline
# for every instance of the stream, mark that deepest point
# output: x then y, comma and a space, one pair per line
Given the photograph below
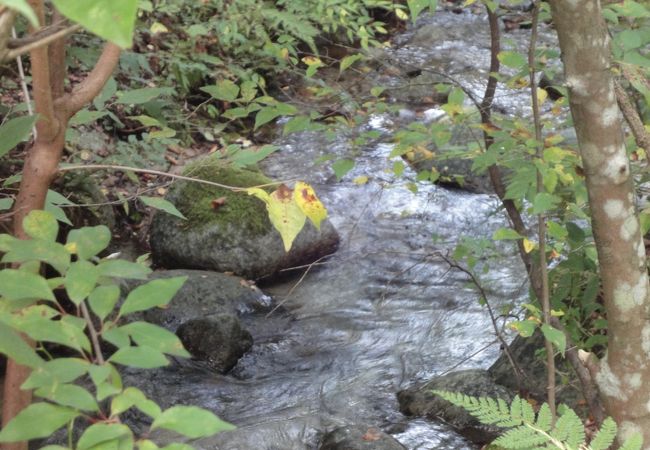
384, 312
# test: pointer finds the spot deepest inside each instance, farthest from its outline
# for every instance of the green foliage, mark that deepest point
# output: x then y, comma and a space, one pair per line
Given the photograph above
76, 308
529, 430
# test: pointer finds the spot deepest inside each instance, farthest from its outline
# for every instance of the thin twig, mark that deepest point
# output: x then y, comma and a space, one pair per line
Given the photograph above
519, 373
541, 218
11, 54
68, 168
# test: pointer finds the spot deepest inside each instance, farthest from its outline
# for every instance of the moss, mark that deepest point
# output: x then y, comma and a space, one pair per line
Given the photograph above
241, 210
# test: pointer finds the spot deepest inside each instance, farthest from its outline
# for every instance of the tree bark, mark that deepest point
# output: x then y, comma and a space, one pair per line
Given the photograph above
623, 375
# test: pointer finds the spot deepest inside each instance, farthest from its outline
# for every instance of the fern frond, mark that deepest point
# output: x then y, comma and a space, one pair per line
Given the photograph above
522, 437
544, 418
486, 410
605, 436
633, 443
569, 428
521, 410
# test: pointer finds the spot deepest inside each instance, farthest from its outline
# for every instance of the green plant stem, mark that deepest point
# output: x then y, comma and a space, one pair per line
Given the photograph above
68, 168
541, 218
93, 333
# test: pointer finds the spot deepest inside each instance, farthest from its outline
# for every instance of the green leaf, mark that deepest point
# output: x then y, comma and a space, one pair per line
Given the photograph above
105, 436
68, 331
236, 113
512, 59
53, 253
342, 167
68, 395
143, 95
504, 234
84, 117
296, 124
48, 417
149, 335
80, 280
119, 268
191, 422
525, 328
6, 203
224, 90
22, 7
251, 156
18, 285
265, 115
134, 397
40, 224
56, 371
112, 20
347, 61
154, 293
417, 6
102, 300
15, 131
87, 242
605, 436
141, 357
163, 205
544, 202
555, 336
15, 347
632, 443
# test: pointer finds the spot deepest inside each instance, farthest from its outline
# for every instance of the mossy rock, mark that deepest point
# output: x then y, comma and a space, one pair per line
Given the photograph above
236, 235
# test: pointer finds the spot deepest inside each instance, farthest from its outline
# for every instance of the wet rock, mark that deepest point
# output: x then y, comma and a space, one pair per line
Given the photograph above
204, 314
359, 437
525, 352
219, 341
420, 401
235, 236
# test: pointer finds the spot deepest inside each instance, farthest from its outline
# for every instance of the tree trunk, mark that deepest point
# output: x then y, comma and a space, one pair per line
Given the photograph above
623, 376
55, 108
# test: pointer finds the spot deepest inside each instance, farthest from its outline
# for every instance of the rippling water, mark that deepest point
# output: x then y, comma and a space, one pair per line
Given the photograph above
382, 313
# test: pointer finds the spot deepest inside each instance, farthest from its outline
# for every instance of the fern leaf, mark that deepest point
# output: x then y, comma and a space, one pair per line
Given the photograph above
521, 437
633, 443
605, 436
569, 428
486, 410
544, 418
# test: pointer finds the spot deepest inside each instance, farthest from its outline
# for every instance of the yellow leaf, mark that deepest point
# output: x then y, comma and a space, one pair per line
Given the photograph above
259, 193
312, 60
541, 95
360, 180
305, 197
71, 248
284, 53
528, 245
158, 27
285, 215
401, 14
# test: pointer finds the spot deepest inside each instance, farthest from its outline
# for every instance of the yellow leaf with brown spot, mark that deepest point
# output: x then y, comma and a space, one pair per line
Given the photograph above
285, 215
305, 197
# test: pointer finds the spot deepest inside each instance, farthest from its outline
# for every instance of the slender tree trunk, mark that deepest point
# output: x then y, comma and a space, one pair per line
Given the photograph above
55, 108
623, 376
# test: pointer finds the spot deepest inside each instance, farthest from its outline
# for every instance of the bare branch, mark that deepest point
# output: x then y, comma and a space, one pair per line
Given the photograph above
45, 40
94, 82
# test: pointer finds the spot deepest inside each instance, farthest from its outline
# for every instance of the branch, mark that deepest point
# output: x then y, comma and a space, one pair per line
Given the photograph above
94, 82
641, 136
159, 173
27, 45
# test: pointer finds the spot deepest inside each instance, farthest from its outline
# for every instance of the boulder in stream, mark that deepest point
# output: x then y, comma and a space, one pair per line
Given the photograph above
359, 437
233, 234
420, 401
204, 314
219, 341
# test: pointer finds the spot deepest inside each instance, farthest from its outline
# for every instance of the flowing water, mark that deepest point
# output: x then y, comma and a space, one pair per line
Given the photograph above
381, 314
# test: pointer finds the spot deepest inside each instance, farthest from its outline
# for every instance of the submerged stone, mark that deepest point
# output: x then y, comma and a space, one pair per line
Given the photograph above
359, 437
